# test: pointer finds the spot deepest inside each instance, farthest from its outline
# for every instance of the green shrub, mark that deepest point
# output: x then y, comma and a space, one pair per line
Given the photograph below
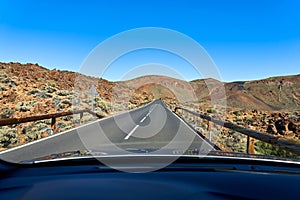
103, 105
63, 92
66, 101
131, 106
248, 118
237, 113
211, 110
33, 92
7, 137
6, 113
273, 150
52, 83
25, 106
34, 132
48, 89
2, 88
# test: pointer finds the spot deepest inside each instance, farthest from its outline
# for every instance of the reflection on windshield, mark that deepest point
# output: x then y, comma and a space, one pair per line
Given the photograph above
54, 114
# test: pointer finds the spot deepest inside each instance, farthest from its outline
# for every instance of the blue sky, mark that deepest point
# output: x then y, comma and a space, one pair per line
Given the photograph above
246, 39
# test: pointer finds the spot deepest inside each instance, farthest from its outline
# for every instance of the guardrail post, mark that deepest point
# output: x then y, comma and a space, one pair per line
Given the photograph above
20, 134
53, 124
250, 145
208, 125
251, 151
80, 116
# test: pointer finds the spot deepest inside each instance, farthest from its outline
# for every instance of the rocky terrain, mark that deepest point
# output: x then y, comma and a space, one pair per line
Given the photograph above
281, 124
271, 105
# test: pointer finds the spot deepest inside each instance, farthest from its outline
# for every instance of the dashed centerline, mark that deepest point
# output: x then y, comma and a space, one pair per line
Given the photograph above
136, 126
131, 132
143, 119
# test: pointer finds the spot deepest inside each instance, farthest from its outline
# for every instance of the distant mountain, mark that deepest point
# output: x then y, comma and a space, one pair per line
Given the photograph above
275, 93
271, 94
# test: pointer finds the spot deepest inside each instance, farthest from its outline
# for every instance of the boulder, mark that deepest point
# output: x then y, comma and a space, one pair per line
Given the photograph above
271, 129
281, 126
292, 127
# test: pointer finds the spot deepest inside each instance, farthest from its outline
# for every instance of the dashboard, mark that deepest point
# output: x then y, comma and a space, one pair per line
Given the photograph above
186, 178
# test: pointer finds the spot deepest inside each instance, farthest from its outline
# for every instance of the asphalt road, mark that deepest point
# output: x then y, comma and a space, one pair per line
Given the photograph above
153, 129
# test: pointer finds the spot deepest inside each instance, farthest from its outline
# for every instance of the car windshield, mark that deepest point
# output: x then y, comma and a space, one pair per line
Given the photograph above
135, 78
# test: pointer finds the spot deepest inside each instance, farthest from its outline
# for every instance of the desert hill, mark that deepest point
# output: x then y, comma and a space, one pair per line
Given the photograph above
275, 93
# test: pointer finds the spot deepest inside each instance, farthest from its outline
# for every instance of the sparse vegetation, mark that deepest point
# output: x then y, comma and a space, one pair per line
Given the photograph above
237, 113
43, 95
33, 92
131, 106
103, 105
52, 83
211, 110
6, 113
63, 92
273, 150
48, 89
2, 88
8, 136
25, 106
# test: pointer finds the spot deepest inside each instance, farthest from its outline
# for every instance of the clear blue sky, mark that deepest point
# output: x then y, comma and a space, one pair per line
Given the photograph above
246, 39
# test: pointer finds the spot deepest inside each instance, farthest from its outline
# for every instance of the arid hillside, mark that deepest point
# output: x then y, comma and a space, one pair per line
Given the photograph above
271, 105
272, 94
26, 83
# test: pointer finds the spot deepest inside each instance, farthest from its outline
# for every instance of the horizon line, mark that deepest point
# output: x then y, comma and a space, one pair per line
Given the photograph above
224, 81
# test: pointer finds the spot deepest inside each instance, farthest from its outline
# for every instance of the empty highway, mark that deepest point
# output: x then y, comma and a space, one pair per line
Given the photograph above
152, 129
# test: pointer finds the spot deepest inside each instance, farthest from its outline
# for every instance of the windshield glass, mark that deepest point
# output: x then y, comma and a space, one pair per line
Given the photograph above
215, 80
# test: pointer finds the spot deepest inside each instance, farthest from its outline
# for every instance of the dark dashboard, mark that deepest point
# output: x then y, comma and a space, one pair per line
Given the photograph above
186, 178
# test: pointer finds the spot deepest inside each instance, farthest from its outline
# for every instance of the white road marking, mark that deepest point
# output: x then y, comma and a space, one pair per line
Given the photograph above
68, 131
131, 132
143, 119
136, 126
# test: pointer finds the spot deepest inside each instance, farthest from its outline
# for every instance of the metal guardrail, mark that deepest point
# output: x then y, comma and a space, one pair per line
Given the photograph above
53, 116
283, 144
